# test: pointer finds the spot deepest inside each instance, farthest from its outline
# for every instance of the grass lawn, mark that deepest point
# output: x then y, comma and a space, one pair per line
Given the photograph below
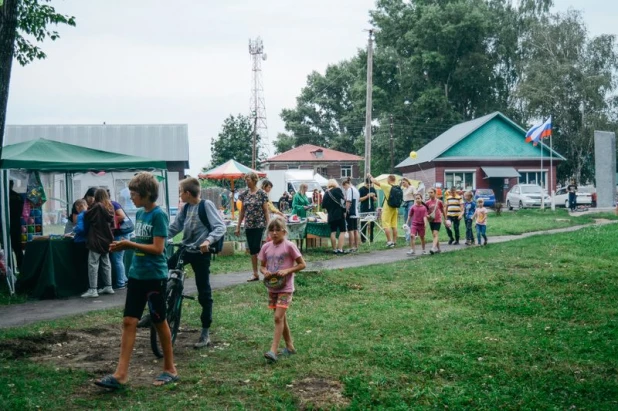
527, 324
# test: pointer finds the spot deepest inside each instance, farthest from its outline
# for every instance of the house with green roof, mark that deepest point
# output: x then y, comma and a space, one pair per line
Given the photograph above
487, 152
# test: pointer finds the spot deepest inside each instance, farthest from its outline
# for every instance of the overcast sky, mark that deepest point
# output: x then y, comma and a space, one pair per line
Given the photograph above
187, 61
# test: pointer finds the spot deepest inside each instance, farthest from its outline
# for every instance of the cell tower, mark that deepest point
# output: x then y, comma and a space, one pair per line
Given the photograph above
257, 104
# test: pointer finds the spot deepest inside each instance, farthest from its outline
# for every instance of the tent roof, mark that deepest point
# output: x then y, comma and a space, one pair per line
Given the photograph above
229, 170
49, 155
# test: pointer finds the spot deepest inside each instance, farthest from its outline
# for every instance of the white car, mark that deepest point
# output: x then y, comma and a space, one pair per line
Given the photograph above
526, 196
582, 197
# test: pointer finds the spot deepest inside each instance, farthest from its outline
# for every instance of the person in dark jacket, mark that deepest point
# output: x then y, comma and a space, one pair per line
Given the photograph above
100, 220
334, 204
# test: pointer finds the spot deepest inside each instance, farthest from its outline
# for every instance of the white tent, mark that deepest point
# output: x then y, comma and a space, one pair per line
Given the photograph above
320, 180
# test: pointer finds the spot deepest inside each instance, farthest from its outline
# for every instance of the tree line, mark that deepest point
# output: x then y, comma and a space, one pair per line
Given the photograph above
440, 62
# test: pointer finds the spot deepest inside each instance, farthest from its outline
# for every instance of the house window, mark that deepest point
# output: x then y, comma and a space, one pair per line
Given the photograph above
318, 153
323, 171
533, 177
293, 167
346, 171
461, 179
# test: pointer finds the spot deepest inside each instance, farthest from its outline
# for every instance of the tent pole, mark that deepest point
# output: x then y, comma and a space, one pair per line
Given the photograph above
167, 191
233, 198
6, 239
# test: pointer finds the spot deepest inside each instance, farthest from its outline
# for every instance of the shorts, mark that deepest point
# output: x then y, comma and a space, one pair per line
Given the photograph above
352, 223
254, 239
142, 292
279, 300
337, 225
435, 226
418, 231
389, 217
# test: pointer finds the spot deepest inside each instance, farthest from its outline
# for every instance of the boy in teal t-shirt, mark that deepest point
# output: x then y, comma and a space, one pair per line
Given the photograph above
147, 282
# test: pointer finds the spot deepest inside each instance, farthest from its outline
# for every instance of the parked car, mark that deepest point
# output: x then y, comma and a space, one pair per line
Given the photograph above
582, 197
526, 196
488, 196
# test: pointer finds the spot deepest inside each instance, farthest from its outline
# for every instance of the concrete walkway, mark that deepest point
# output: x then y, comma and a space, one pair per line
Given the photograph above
42, 310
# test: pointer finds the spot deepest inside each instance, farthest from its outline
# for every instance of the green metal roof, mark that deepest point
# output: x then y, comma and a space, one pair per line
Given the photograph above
491, 137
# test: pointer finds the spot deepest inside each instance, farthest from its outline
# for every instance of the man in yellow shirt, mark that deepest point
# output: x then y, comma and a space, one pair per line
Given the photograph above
389, 214
454, 212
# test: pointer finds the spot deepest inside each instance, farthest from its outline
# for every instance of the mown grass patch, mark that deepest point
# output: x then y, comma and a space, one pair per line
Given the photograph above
529, 324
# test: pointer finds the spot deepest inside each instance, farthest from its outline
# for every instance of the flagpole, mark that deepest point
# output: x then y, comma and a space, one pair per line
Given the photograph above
542, 179
551, 170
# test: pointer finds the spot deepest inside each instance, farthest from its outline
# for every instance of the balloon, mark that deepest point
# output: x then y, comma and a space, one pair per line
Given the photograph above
412, 154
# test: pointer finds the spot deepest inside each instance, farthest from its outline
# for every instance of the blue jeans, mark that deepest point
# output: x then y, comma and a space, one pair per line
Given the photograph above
116, 260
469, 233
481, 229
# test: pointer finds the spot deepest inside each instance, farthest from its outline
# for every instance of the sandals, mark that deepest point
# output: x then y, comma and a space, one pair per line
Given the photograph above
110, 382
166, 378
286, 352
253, 279
270, 356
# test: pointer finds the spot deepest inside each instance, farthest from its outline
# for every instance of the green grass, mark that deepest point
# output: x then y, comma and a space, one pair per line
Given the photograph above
528, 324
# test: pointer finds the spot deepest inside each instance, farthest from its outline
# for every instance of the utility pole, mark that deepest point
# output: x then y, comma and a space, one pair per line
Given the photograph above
368, 104
257, 103
392, 148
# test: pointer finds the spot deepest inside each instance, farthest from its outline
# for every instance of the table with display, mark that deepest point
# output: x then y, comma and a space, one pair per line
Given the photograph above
51, 268
295, 232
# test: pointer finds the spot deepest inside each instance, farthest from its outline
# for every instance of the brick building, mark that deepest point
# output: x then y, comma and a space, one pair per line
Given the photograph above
324, 161
488, 152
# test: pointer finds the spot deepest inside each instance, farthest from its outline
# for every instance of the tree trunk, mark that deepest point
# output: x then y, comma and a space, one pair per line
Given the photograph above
8, 27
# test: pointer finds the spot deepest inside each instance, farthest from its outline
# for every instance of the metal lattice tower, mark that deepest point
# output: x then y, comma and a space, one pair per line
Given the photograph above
257, 104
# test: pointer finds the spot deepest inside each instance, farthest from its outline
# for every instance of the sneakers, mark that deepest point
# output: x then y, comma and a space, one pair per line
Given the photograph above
411, 253
144, 322
106, 290
425, 252
202, 342
120, 287
390, 244
451, 241
91, 293
485, 242
434, 251
456, 242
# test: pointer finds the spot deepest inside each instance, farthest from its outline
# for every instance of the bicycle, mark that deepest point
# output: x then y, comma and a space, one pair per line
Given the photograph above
173, 299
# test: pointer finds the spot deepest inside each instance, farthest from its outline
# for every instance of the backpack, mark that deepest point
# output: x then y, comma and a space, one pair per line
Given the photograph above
395, 198
217, 246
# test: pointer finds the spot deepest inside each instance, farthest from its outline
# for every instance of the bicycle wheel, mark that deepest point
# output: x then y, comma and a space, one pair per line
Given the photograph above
173, 301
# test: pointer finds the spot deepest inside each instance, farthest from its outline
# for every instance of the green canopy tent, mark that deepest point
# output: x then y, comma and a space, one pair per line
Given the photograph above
49, 155
54, 156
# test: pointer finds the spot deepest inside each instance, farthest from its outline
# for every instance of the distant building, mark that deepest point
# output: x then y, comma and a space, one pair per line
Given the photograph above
167, 142
488, 152
324, 161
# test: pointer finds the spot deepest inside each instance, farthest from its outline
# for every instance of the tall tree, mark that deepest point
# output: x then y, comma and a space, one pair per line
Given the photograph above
436, 63
23, 24
572, 77
234, 142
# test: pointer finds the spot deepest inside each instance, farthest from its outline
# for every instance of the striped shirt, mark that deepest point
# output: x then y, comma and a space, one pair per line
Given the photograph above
453, 204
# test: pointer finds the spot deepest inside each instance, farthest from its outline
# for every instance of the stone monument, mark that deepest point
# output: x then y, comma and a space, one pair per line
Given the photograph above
605, 168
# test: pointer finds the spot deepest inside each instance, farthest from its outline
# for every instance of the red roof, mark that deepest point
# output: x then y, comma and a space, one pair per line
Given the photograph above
309, 152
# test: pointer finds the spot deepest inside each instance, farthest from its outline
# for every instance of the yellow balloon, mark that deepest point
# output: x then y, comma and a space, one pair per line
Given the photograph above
412, 154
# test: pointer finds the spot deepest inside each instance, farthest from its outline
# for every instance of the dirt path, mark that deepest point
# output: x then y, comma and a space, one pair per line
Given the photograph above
42, 310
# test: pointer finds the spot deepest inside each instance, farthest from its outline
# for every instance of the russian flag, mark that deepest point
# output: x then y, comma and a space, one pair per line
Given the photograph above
538, 132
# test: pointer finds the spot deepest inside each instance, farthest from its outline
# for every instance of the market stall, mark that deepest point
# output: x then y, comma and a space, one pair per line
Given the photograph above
47, 260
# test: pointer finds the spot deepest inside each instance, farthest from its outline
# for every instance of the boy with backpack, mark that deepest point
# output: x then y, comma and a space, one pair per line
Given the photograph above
393, 197
202, 228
